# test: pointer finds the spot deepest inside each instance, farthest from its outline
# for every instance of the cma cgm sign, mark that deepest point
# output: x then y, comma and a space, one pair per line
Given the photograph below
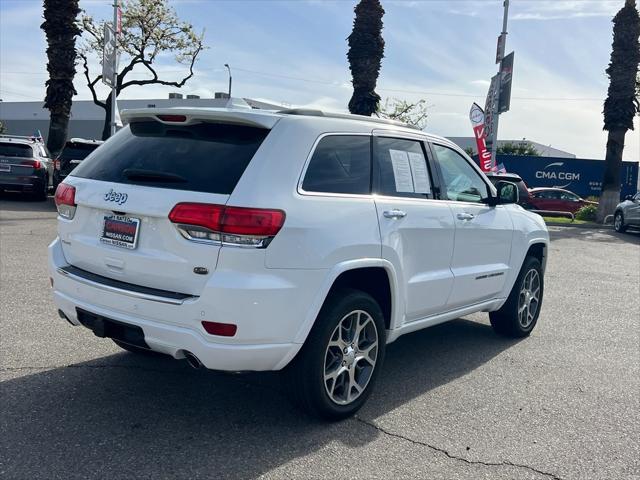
579, 175
557, 174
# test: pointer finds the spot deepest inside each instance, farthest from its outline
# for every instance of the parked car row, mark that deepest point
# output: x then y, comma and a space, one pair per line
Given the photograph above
543, 198
26, 165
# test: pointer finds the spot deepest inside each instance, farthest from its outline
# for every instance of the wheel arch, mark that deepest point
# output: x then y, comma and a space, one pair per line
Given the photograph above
377, 277
538, 250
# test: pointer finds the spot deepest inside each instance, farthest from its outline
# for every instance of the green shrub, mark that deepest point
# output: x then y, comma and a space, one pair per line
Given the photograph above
587, 213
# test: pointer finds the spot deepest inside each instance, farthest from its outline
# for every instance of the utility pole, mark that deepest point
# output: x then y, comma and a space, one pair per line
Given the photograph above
229, 68
116, 32
502, 43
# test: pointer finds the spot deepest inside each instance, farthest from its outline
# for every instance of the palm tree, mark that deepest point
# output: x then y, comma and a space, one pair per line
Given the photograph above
622, 101
366, 50
61, 31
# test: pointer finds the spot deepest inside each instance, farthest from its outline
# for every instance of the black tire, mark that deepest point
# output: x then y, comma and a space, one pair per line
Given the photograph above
135, 349
304, 377
56, 182
618, 223
507, 320
42, 192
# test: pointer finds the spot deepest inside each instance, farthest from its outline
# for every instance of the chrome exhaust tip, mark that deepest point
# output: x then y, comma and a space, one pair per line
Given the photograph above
192, 360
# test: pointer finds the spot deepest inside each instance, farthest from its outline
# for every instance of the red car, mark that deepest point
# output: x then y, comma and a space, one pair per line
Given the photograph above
557, 199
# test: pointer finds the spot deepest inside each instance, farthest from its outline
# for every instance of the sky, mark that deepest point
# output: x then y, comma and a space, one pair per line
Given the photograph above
293, 52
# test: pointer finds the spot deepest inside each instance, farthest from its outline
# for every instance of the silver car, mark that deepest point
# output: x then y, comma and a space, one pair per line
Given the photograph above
627, 213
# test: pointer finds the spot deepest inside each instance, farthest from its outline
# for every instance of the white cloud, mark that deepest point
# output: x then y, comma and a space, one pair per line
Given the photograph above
554, 9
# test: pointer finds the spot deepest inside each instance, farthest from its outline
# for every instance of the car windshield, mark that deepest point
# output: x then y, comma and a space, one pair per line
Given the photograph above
15, 150
77, 151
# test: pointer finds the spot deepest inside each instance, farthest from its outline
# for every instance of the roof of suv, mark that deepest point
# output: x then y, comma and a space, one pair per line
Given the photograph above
20, 139
85, 140
263, 118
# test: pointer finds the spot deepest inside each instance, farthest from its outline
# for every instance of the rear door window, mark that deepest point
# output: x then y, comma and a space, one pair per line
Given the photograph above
340, 164
401, 168
19, 150
204, 157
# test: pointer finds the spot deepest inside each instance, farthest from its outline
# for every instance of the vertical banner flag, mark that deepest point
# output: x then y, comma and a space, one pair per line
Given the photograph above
500, 47
506, 75
108, 54
477, 117
490, 110
119, 23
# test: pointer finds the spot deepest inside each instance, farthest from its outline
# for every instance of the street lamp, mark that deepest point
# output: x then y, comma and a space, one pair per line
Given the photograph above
229, 68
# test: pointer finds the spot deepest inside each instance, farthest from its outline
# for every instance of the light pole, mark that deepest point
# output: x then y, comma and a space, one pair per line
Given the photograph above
229, 68
500, 55
114, 86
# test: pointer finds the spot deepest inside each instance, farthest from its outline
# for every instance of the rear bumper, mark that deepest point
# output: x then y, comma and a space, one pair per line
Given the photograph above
175, 341
268, 311
31, 182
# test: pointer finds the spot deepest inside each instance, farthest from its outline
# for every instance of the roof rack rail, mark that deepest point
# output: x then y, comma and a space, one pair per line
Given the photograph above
310, 112
24, 137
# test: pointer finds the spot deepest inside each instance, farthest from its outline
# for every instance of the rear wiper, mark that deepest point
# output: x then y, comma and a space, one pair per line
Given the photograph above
152, 175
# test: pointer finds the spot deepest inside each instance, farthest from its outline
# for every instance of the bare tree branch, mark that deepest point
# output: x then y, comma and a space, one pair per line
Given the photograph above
91, 83
150, 30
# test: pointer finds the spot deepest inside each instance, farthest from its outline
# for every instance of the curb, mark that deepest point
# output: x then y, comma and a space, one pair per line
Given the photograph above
581, 225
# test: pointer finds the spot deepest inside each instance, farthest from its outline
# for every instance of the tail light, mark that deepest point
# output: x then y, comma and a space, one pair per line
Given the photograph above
220, 329
66, 201
173, 118
37, 164
236, 226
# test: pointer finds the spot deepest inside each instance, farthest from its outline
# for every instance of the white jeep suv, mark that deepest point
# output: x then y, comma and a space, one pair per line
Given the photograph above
298, 241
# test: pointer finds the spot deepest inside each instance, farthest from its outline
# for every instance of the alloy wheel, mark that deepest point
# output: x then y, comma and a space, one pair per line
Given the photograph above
618, 222
350, 357
529, 299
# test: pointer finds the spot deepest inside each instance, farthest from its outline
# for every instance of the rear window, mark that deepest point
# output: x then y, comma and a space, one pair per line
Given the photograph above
204, 157
15, 150
77, 151
340, 164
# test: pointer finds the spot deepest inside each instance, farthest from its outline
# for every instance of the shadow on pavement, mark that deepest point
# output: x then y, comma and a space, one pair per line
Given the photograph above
126, 416
21, 202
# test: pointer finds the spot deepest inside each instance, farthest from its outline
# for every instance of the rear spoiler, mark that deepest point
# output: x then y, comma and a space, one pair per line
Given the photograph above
190, 116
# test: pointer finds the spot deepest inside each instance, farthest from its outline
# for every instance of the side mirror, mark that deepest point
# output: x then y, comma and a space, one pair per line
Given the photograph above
507, 193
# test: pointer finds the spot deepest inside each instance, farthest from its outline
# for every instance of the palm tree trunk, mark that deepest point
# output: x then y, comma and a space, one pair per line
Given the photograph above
58, 132
610, 196
61, 30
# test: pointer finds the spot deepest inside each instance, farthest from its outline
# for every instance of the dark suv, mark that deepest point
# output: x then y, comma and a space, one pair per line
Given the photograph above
73, 153
523, 192
25, 165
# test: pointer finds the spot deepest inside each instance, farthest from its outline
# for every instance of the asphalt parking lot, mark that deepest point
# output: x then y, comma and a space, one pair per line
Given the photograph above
454, 401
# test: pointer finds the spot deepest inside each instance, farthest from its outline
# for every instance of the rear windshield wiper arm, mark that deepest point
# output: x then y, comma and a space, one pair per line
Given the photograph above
152, 176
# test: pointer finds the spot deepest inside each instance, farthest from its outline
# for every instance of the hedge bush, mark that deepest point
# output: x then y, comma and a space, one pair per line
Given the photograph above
587, 213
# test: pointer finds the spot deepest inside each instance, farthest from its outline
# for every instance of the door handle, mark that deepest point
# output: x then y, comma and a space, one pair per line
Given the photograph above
395, 213
466, 216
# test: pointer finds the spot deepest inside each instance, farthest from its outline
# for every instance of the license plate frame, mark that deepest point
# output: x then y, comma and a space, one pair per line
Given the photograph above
116, 231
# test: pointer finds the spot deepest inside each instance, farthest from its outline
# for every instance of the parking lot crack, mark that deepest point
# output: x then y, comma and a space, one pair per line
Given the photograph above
505, 463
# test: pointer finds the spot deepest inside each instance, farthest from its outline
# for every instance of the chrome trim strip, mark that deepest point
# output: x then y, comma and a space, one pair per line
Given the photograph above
129, 293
